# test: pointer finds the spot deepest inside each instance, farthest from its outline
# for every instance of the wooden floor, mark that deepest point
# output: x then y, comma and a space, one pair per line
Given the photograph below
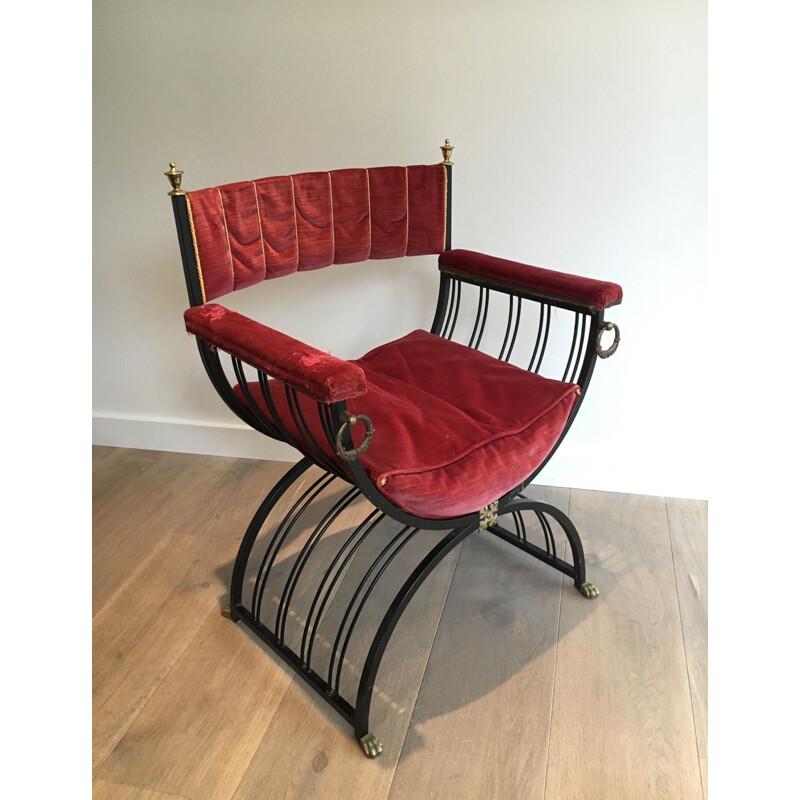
501, 681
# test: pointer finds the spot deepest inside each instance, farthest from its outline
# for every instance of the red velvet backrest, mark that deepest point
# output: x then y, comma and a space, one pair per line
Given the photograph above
244, 233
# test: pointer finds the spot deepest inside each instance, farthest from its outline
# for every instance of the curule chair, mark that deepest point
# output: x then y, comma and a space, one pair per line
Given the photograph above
451, 435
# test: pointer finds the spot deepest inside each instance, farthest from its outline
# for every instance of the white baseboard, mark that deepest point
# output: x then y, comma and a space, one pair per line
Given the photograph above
186, 436
580, 467
573, 466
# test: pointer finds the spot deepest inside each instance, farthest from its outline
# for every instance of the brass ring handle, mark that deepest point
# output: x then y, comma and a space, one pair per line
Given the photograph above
348, 421
607, 326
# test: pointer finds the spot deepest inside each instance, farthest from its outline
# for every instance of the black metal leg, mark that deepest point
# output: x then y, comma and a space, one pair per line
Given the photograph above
275, 589
277, 593
577, 569
275, 494
370, 745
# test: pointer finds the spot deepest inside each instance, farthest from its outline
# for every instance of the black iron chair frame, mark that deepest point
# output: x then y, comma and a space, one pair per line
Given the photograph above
337, 421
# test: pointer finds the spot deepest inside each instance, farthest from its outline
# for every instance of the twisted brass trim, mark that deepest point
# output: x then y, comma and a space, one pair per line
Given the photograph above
195, 248
444, 232
348, 421
598, 348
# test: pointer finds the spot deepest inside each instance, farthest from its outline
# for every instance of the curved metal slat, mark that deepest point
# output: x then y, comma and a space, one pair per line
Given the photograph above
349, 608
516, 330
451, 329
365, 597
581, 349
313, 447
550, 544
508, 327
254, 528
253, 406
483, 322
477, 316
451, 289
364, 529
390, 619
266, 393
302, 559
278, 538
548, 310
544, 312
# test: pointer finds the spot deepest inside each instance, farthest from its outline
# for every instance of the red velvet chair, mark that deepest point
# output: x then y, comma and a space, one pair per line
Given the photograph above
448, 435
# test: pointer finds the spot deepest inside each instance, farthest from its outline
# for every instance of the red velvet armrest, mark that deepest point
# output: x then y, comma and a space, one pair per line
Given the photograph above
320, 375
544, 282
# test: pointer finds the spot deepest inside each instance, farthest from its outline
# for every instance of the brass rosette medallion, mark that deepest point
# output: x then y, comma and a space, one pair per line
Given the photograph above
487, 516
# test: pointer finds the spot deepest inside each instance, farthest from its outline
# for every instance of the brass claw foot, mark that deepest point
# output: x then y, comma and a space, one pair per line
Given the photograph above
589, 590
228, 613
370, 745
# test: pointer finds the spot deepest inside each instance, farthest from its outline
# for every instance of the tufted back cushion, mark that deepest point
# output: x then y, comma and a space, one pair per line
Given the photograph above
244, 233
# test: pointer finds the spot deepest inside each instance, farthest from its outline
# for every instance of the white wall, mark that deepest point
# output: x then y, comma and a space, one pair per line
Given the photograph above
580, 136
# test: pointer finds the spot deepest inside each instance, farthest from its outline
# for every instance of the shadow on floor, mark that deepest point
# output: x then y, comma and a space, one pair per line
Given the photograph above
327, 585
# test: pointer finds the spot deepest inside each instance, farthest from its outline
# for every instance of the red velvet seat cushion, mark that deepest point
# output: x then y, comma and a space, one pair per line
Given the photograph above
455, 429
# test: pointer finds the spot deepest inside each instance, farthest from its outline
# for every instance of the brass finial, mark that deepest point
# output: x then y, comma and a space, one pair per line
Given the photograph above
447, 151
174, 176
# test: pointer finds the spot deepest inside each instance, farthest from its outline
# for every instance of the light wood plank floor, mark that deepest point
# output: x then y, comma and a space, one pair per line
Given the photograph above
501, 681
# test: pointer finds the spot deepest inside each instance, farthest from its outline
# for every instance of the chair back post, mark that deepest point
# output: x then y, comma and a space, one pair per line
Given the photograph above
447, 151
182, 223
444, 281
208, 355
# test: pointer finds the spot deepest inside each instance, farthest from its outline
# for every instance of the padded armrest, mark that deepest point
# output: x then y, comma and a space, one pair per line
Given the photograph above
545, 282
322, 376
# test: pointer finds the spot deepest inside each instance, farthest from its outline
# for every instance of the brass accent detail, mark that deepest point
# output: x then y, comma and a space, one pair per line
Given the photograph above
294, 212
333, 221
227, 612
598, 348
174, 176
370, 745
408, 209
589, 590
194, 247
577, 390
348, 420
447, 151
444, 227
487, 516
369, 212
384, 480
